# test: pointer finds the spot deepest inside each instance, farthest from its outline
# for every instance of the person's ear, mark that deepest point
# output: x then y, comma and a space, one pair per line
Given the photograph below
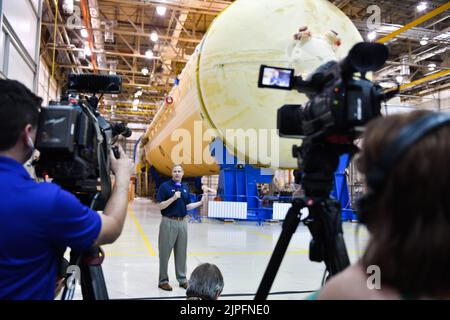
28, 135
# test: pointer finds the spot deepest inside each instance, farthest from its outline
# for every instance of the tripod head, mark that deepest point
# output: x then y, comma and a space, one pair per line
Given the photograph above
317, 160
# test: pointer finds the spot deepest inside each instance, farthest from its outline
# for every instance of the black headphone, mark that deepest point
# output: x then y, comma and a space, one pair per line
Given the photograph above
377, 176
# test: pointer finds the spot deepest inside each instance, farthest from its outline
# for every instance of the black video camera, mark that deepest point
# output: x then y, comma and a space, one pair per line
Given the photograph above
74, 140
339, 104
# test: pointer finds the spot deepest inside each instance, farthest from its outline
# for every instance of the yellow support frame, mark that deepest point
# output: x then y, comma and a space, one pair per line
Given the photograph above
410, 25
416, 22
425, 79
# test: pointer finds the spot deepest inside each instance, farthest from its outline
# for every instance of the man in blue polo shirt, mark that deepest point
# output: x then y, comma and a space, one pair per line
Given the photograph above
174, 202
39, 220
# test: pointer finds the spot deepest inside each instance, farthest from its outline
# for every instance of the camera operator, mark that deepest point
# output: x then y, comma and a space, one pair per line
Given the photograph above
406, 210
38, 221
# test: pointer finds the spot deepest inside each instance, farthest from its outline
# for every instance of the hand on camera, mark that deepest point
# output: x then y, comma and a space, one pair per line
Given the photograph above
123, 166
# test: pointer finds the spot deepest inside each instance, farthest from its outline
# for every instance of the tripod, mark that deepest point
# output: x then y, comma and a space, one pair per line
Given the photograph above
318, 160
92, 281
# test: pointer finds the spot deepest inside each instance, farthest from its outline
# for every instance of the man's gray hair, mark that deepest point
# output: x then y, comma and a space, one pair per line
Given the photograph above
206, 282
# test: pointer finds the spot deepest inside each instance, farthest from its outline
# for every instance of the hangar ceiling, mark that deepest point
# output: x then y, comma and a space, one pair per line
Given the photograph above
149, 49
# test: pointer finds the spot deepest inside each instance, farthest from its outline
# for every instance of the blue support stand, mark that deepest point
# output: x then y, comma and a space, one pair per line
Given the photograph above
238, 182
157, 178
340, 190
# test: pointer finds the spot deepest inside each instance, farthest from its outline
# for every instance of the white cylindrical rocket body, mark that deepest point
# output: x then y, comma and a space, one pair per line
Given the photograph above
218, 94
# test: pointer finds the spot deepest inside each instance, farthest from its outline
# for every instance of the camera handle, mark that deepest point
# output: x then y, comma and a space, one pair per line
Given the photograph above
319, 160
92, 281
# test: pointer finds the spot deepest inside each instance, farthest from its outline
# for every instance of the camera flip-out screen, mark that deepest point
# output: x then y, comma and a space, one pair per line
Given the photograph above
276, 78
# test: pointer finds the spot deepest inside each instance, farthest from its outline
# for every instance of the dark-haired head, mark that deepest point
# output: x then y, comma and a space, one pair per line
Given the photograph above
19, 114
410, 220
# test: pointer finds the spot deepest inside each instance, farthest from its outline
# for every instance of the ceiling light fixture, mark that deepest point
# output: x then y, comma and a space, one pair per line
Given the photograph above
422, 6
154, 36
84, 33
135, 104
67, 6
372, 35
149, 54
144, 71
424, 41
87, 51
161, 10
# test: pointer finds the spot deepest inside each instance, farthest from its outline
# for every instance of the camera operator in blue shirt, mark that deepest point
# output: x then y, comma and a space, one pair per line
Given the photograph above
39, 220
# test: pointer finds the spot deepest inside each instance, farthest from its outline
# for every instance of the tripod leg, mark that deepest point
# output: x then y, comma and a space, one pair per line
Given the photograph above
326, 228
337, 258
93, 284
289, 226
